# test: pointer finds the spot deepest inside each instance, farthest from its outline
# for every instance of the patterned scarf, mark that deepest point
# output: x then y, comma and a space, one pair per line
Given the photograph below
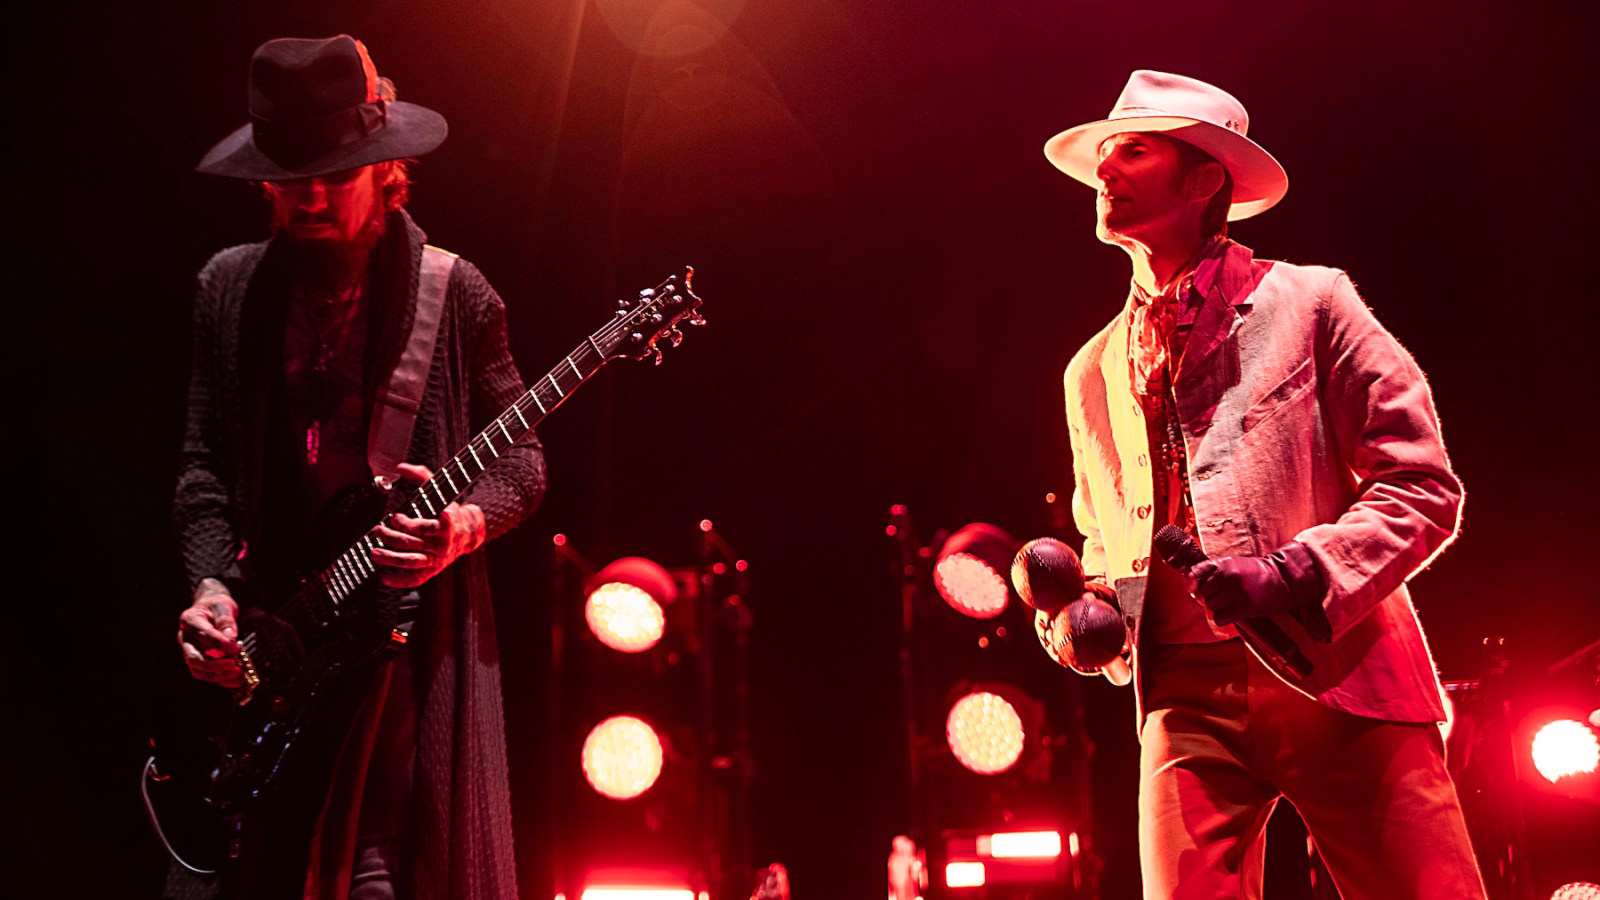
1154, 319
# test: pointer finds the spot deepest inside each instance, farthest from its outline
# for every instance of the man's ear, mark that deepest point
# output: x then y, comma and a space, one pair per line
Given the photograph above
1205, 180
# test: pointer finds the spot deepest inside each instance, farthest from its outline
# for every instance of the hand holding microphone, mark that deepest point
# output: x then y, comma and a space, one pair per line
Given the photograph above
1074, 620
1241, 591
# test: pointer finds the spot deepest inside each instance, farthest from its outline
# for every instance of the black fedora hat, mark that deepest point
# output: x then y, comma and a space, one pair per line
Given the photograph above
317, 107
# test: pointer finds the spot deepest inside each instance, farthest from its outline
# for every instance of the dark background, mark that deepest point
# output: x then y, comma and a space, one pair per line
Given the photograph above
895, 278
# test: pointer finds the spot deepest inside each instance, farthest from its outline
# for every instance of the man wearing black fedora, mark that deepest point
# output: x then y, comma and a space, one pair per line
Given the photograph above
306, 348
1258, 408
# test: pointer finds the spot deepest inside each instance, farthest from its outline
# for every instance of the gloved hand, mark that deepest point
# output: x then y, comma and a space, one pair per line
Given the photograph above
1245, 587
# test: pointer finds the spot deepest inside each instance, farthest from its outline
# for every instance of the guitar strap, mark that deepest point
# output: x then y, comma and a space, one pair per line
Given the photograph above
394, 410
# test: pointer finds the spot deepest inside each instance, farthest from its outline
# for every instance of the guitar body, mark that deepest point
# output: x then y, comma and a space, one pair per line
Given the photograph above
310, 659
299, 711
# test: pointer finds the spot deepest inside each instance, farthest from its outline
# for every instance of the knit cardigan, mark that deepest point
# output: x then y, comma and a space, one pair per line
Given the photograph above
235, 436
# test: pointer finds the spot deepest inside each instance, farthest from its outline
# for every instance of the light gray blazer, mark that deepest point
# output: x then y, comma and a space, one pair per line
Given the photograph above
1304, 420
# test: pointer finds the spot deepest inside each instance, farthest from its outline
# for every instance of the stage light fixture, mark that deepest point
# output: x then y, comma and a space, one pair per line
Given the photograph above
970, 572
622, 757
638, 893
964, 874
985, 732
1021, 844
1025, 861
1565, 747
626, 604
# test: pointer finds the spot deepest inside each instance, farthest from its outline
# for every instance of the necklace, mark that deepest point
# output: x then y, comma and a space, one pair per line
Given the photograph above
329, 315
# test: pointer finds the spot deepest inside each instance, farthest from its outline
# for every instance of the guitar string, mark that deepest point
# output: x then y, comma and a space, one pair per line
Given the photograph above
325, 578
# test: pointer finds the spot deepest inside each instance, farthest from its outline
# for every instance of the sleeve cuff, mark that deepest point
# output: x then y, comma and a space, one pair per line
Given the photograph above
1307, 587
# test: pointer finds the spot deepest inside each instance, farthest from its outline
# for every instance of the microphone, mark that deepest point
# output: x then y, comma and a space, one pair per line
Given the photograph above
1183, 553
1048, 577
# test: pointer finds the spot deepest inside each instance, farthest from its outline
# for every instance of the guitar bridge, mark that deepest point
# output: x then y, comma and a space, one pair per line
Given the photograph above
252, 678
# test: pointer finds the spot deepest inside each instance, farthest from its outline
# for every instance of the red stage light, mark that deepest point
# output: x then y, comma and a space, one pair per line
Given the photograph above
971, 586
625, 892
970, 573
626, 604
622, 757
964, 874
1565, 747
985, 732
624, 617
1021, 845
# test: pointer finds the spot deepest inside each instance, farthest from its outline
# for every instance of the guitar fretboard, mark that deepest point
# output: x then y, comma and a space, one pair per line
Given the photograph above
354, 566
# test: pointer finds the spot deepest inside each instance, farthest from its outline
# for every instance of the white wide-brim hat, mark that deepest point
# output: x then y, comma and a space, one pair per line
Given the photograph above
1191, 111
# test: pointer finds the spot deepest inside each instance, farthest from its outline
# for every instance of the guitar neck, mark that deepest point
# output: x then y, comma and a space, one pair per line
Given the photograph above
354, 566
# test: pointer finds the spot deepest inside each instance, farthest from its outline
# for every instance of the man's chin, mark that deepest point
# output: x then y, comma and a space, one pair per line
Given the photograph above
1108, 234
316, 233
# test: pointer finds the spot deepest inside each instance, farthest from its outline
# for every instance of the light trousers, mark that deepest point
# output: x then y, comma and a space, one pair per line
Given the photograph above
1224, 739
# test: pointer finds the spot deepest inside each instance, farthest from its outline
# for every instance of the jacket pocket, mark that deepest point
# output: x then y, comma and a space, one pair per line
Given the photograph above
1290, 388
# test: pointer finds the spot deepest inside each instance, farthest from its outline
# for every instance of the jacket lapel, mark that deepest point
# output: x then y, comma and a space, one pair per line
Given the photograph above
1220, 315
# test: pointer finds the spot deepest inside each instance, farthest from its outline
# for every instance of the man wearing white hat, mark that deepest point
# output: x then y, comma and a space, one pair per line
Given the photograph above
1260, 408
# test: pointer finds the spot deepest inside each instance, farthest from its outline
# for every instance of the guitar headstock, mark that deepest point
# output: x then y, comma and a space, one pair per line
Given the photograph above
643, 322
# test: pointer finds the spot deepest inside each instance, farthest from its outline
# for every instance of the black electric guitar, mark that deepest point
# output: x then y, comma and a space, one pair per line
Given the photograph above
304, 659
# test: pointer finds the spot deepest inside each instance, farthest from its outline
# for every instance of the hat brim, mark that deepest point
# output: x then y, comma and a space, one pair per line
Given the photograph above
409, 130
1259, 181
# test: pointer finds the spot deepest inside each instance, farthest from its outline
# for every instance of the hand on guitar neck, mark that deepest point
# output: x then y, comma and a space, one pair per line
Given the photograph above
415, 550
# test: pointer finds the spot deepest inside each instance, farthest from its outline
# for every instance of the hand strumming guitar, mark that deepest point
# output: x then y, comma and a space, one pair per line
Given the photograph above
415, 550
207, 634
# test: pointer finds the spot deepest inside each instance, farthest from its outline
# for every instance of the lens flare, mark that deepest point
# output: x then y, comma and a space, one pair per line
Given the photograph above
624, 617
984, 732
622, 757
1564, 748
971, 586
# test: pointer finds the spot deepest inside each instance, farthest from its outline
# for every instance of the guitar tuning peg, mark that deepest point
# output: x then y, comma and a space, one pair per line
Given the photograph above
625, 303
655, 353
696, 319
647, 293
675, 336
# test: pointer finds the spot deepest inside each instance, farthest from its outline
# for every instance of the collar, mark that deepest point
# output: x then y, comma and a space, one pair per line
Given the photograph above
1194, 279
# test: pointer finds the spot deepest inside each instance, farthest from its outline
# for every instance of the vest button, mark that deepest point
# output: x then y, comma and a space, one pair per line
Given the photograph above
1142, 512
1139, 564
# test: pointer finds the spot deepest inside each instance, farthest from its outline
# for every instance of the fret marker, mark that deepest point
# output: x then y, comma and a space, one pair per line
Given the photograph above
574, 369
518, 411
503, 431
552, 379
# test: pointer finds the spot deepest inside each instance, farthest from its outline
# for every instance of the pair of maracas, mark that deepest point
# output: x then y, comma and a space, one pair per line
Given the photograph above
1048, 577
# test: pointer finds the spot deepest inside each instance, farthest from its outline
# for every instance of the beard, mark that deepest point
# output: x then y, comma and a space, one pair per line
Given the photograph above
331, 263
